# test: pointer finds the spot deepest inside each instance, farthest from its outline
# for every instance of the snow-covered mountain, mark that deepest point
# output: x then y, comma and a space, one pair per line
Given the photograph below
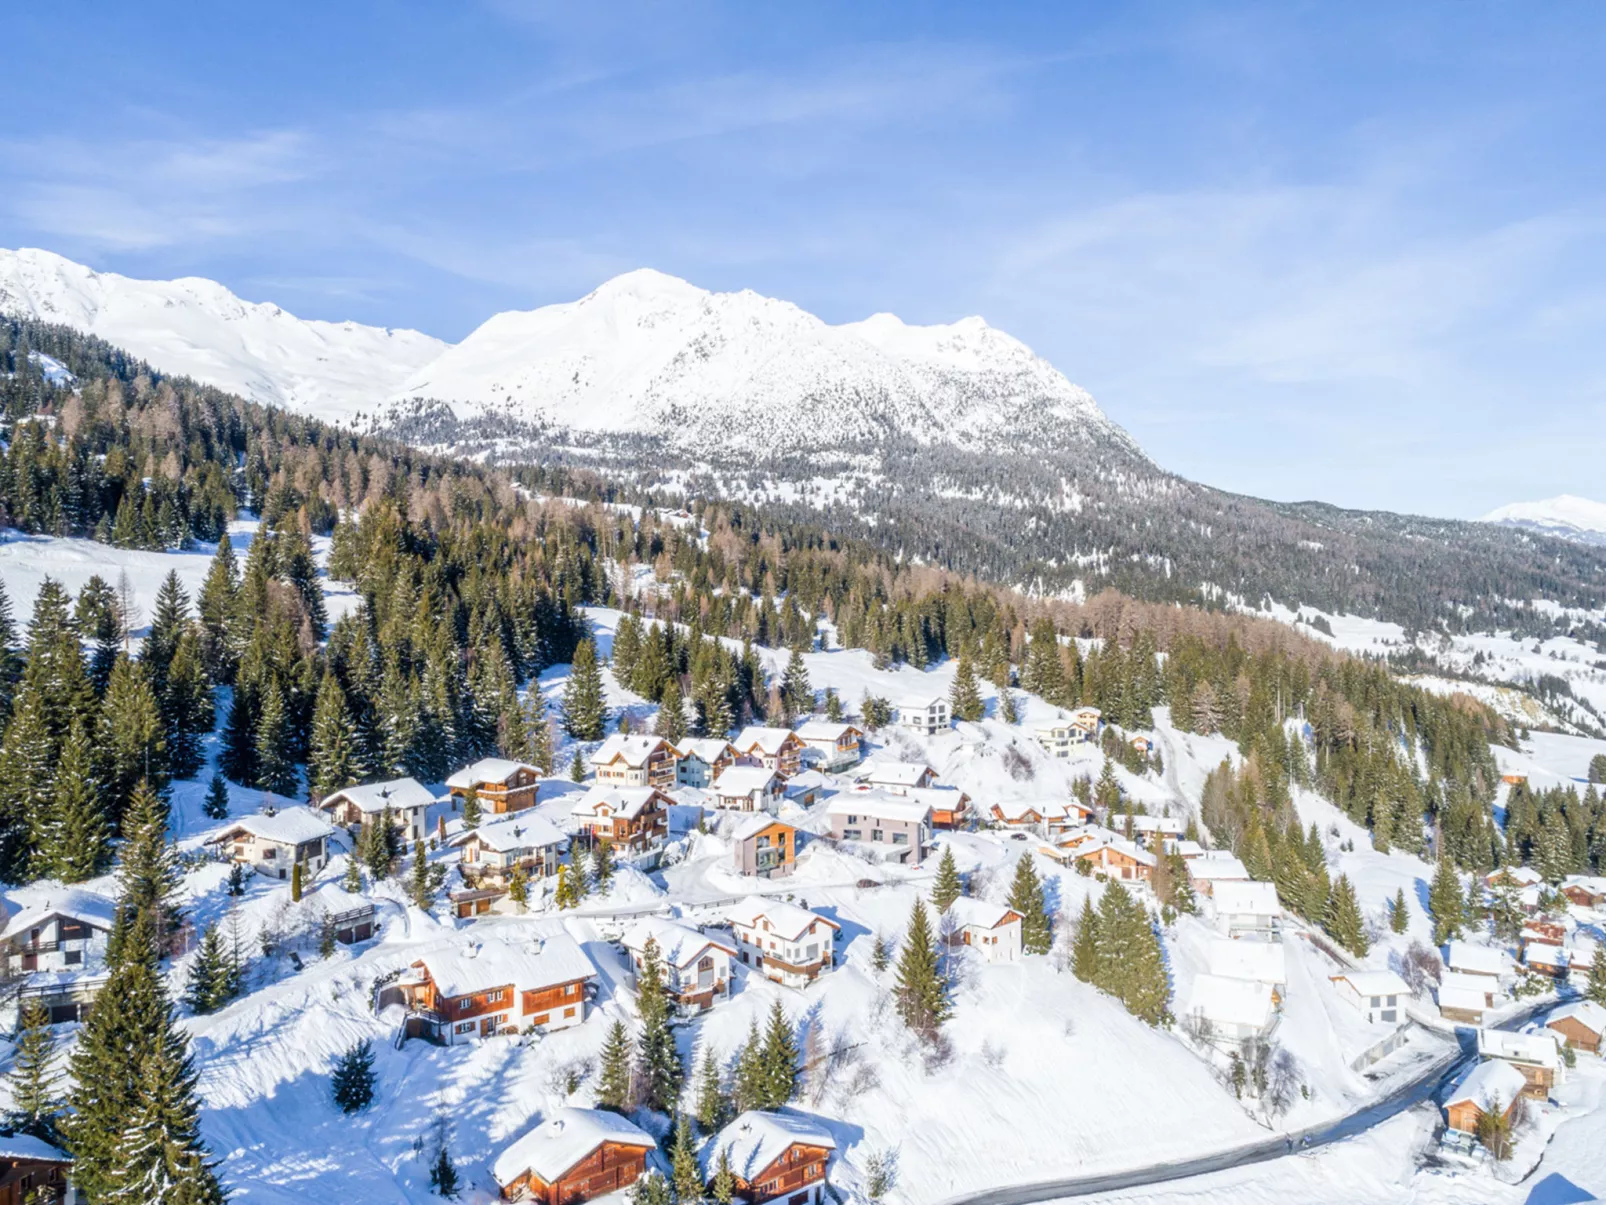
1566, 515
647, 355
650, 354
197, 328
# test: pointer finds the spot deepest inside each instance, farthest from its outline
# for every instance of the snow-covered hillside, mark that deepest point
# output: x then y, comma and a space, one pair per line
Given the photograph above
197, 328
1566, 515
645, 354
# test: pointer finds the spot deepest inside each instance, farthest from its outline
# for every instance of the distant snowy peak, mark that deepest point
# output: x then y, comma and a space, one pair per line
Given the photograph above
739, 373
197, 328
1566, 516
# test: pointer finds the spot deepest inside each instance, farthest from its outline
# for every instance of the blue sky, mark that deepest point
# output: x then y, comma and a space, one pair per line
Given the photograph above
1345, 251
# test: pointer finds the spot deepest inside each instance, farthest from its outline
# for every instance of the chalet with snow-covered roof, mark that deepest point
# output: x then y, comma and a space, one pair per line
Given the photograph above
748, 788
1060, 738
66, 929
1142, 744
1582, 1025
630, 760
764, 847
950, 807
272, 844
405, 799
697, 967
490, 854
1545, 959
1487, 1087
634, 819
1234, 1010
831, 744
1216, 866
1536, 1052
926, 714
473, 990
1246, 909
807, 787
1513, 876
34, 1171
1542, 932
1152, 832
773, 1157
699, 761
1471, 959
500, 785
1257, 961
778, 749
1116, 858
1584, 890
893, 827
992, 930
1019, 813
784, 942
1376, 995
1089, 719
1465, 998
573, 1156
898, 775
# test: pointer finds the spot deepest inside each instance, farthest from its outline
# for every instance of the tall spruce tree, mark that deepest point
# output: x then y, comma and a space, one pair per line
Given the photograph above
1026, 898
1445, 903
35, 1083
149, 874
334, 760
713, 1106
779, 1060
275, 754
613, 1078
684, 1169
352, 1083
1399, 916
132, 744
922, 988
797, 692
965, 695
1343, 922
76, 845
1085, 945
214, 975
584, 710
657, 1054
947, 888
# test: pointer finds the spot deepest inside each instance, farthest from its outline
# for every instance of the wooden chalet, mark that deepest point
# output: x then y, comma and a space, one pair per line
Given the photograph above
1487, 1086
764, 847
406, 800
1536, 1054
32, 1172
492, 853
634, 819
778, 749
629, 760
271, 844
1585, 891
1582, 1025
835, 746
699, 761
992, 930
573, 1156
899, 775
475, 990
788, 944
501, 785
64, 930
1118, 858
773, 1156
697, 967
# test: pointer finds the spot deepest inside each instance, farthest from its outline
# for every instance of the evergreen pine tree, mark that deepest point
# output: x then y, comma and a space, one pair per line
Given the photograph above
748, 1089
1445, 903
657, 1054
779, 1060
334, 760
186, 705
216, 607
36, 1101
965, 695
538, 730
1107, 793
77, 845
577, 767
216, 806
652, 1189
443, 1176
584, 711
1085, 947
922, 989
131, 741
797, 692
518, 888
1596, 987
1399, 918
351, 879
1026, 898
275, 760
613, 1080
159, 1157
150, 874
471, 809
713, 1106
670, 722
947, 887
602, 863
723, 1188
213, 975
1343, 921
421, 887
687, 1176
352, 1083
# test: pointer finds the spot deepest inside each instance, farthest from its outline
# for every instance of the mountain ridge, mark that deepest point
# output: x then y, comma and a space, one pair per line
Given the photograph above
1566, 516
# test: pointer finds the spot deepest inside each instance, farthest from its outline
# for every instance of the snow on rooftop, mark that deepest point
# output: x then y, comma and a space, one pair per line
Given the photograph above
1480, 960
823, 730
679, 944
788, 920
26, 1146
47, 900
768, 740
1261, 961
979, 914
752, 825
372, 798
1250, 898
1586, 1012
742, 780
289, 826
895, 774
524, 830
883, 805
1375, 983
705, 749
1537, 1046
628, 802
563, 1140
1488, 1084
1217, 867
1227, 1001
463, 969
629, 748
756, 1139
497, 771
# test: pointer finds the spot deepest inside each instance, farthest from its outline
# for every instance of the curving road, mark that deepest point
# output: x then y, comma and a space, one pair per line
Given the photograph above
1424, 1086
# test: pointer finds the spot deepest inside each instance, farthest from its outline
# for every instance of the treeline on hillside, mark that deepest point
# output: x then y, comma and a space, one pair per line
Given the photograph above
467, 588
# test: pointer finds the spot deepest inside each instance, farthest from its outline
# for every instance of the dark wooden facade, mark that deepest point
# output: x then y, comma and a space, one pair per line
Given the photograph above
797, 1169
612, 1166
1579, 1036
21, 1179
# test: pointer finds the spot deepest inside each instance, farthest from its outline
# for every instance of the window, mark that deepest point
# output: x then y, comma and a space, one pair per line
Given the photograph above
900, 838
463, 1004
853, 820
850, 834
493, 997
1375, 1001
465, 1027
811, 952
73, 957
875, 834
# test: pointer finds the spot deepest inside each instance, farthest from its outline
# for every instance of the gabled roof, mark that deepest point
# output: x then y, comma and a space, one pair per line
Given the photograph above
1481, 960
630, 748
1586, 1012
769, 741
753, 825
1538, 1047
922, 702
1488, 1085
895, 773
825, 730
628, 802
292, 826
523, 831
371, 798
93, 909
706, 749
679, 944
1374, 983
787, 920
1467, 999
1517, 876
460, 970
938, 798
26, 1146
1468, 982
757, 1139
1251, 898
496, 771
1217, 867
1231, 1001
743, 780
563, 1140
1261, 961
882, 805
979, 914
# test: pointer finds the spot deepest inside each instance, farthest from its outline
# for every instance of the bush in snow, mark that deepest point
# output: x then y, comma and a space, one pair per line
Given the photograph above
353, 1081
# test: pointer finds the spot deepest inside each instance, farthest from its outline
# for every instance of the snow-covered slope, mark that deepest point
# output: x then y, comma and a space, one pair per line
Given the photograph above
1566, 515
197, 328
650, 354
